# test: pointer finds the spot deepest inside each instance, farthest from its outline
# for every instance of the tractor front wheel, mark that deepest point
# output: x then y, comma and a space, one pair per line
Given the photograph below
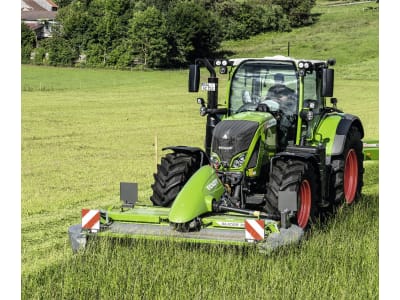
172, 174
298, 176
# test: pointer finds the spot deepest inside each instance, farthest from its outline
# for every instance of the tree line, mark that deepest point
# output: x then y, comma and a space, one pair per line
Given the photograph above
155, 33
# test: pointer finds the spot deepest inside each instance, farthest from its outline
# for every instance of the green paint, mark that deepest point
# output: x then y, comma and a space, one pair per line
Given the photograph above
326, 131
196, 196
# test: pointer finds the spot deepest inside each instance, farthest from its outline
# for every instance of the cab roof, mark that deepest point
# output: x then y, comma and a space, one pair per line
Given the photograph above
237, 61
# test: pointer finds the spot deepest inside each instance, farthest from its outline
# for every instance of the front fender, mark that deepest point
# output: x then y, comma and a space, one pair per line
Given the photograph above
196, 196
202, 156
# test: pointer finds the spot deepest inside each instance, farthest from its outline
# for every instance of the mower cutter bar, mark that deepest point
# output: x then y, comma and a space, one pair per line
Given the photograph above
212, 235
142, 222
166, 232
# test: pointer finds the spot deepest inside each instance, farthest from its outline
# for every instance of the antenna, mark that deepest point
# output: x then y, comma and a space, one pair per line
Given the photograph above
288, 49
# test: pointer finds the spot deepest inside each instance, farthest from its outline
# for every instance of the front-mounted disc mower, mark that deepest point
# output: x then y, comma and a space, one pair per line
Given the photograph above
277, 154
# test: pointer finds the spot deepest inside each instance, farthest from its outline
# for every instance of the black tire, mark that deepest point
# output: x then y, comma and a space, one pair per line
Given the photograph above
172, 174
347, 170
294, 175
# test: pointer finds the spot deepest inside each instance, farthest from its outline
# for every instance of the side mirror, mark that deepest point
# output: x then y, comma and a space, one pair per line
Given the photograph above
327, 82
194, 78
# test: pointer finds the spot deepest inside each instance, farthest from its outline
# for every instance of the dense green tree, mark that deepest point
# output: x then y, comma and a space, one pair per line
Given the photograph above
94, 55
122, 56
76, 24
28, 43
159, 33
161, 5
298, 11
193, 32
242, 20
60, 52
96, 28
108, 30
148, 33
62, 3
39, 56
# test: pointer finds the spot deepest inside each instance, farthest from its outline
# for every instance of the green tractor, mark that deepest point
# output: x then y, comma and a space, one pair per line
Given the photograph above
275, 152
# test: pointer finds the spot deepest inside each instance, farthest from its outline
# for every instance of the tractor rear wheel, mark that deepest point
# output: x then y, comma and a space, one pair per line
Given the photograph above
172, 174
347, 168
294, 175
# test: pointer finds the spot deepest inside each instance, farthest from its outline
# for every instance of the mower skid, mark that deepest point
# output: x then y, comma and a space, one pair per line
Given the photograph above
292, 235
77, 237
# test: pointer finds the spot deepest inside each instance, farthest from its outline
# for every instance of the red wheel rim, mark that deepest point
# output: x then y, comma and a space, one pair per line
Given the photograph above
350, 176
305, 204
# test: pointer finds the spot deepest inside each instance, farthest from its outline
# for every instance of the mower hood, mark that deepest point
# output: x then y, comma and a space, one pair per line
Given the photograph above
196, 196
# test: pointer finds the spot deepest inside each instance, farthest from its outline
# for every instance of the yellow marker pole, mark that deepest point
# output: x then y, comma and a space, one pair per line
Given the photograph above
155, 150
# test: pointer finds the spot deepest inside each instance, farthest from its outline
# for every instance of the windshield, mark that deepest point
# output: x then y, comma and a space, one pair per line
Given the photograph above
273, 83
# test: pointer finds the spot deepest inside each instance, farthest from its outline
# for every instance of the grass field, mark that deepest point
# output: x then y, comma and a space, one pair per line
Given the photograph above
84, 131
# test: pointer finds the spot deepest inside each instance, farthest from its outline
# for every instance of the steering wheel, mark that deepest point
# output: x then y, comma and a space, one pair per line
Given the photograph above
247, 107
272, 104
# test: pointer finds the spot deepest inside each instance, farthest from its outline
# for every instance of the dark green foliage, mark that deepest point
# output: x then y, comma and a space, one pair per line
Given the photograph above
76, 24
62, 3
97, 29
60, 52
147, 35
161, 5
193, 32
157, 33
298, 11
28, 41
243, 20
39, 57
121, 56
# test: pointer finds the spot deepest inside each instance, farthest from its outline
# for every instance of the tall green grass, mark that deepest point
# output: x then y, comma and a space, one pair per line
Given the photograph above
84, 131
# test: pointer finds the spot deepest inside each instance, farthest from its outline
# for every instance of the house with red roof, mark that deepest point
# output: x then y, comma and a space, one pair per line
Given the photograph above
39, 16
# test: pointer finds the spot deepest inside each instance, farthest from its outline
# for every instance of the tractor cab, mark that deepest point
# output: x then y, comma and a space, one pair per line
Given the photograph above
267, 86
293, 91
257, 82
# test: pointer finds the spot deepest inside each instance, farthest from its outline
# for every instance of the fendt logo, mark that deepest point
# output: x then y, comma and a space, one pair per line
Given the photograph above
212, 184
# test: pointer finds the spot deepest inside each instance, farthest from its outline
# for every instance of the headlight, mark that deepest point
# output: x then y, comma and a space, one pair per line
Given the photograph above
215, 163
238, 161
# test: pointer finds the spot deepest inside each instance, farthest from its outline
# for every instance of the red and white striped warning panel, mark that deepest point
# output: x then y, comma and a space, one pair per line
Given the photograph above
254, 230
91, 219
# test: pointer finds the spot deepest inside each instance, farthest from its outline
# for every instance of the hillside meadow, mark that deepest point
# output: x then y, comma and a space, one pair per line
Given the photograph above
84, 131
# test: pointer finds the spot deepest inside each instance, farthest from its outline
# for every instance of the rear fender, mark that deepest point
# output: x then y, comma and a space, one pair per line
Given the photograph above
196, 196
336, 138
342, 131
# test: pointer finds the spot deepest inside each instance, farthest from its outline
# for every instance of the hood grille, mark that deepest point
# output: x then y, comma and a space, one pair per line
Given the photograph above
232, 137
